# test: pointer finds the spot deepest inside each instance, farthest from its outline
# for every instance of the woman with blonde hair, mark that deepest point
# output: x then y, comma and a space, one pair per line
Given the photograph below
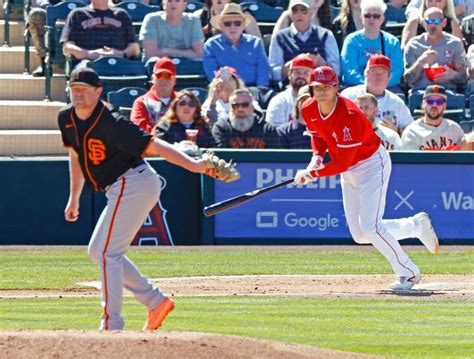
222, 85
348, 20
413, 26
184, 114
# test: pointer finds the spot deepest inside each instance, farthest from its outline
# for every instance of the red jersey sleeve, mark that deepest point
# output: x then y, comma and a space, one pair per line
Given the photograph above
139, 115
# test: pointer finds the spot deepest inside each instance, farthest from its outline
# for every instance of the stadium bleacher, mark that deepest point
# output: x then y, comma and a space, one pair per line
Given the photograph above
28, 124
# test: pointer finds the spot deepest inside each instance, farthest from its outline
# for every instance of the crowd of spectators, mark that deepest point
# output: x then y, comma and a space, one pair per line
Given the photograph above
377, 70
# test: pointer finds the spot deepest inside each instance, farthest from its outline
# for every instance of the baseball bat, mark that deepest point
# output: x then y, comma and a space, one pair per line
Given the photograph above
235, 201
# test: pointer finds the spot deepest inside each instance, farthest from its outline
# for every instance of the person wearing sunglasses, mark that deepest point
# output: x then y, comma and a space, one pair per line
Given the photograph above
359, 46
150, 107
302, 37
234, 48
244, 127
184, 114
432, 131
414, 25
172, 32
434, 57
339, 127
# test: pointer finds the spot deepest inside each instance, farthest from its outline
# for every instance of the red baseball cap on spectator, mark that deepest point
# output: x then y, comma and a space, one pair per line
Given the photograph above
302, 60
379, 60
323, 75
164, 64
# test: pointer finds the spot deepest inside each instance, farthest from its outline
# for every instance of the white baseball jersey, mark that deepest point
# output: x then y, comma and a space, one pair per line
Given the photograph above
389, 138
280, 107
389, 102
420, 136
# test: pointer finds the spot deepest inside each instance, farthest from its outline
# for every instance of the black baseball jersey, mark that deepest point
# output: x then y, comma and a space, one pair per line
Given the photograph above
107, 143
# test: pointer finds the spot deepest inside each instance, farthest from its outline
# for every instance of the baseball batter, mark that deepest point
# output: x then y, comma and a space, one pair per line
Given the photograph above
106, 151
336, 124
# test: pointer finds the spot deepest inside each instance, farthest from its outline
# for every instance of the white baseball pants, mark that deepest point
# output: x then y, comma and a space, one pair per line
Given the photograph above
129, 200
364, 190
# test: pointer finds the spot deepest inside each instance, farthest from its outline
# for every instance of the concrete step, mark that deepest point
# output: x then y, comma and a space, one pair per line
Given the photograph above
37, 115
12, 60
27, 87
16, 32
31, 143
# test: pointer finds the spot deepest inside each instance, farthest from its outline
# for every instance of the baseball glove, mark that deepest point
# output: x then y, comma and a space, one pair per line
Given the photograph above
219, 168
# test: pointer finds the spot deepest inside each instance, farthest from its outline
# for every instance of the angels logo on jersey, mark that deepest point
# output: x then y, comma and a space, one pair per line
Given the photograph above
347, 134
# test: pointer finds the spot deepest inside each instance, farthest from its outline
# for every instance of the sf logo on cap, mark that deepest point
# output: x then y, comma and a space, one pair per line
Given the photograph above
96, 151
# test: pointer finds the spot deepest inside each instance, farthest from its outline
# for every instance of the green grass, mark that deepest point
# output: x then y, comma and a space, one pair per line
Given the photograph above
399, 328
58, 269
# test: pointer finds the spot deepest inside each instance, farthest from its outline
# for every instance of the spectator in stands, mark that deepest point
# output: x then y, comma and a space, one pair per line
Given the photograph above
321, 15
243, 52
299, 38
414, 25
359, 46
281, 106
432, 131
462, 8
172, 32
396, 11
434, 49
467, 26
389, 138
244, 127
184, 114
222, 85
293, 133
468, 142
35, 24
149, 108
392, 111
215, 7
348, 21
98, 30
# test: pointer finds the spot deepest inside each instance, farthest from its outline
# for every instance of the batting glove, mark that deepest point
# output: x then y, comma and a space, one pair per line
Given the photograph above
304, 177
316, 163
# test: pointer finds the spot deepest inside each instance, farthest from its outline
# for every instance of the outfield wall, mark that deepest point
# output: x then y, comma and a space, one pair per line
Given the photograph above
34, 192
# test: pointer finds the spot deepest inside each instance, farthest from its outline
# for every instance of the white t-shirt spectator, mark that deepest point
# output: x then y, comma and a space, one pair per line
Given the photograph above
280, 107
389, 102
390, 138
418, 136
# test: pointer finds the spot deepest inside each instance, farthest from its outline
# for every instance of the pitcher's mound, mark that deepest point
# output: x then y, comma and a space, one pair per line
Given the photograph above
93, 344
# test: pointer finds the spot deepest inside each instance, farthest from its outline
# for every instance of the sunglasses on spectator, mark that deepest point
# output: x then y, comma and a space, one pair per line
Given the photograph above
300, 9
236, 23
375, 16
190, 103
164, 75
236, 105
435, 100
433, 21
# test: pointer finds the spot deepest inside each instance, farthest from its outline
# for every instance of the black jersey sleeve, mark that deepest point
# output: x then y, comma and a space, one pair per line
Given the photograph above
130, 138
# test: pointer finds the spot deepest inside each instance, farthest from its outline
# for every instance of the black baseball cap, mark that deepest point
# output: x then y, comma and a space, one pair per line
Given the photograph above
435, 90
85, 76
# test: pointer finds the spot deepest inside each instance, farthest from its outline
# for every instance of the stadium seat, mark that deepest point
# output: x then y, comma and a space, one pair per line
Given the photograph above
53, 29
455, 109
199, 92
125, 97
394, 28
10, 6
118, 72
137, 12
266, 15
467, 126
193, 6
190, 73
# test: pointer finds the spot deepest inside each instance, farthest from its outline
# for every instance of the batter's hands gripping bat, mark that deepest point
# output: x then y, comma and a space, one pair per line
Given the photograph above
235, 201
